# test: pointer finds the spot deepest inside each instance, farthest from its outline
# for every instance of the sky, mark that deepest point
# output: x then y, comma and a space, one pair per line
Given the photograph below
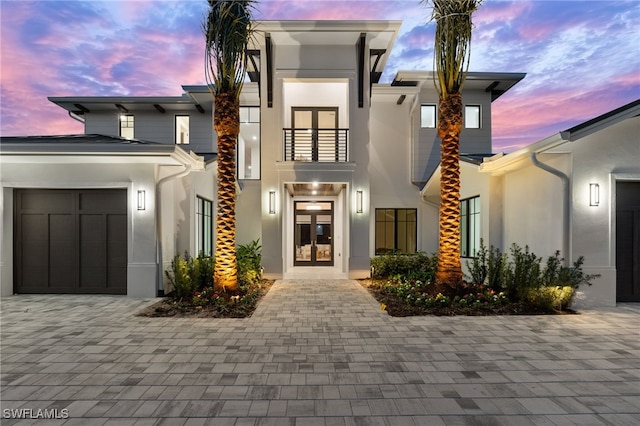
581, 57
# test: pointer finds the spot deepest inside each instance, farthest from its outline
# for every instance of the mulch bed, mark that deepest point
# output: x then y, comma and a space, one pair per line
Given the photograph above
397, 307
169, 307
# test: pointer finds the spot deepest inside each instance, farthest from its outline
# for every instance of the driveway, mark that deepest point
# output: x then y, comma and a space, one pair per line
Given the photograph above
316, 352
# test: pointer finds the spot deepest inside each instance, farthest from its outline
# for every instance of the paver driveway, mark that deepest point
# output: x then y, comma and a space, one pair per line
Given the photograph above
316, 352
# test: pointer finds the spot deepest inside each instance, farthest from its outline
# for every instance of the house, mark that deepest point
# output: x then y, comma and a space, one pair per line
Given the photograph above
333, 168
577, 191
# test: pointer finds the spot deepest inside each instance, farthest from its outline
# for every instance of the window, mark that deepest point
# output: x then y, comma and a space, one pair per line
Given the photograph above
126, 126
472, 116
248, 161
204, 226
469, 226
396, 230
182, 129
428, 116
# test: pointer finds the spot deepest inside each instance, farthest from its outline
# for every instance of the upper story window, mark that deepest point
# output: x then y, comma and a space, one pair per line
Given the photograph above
472, 116
428, 116
126, 126
248, 161
469, 226
182, 129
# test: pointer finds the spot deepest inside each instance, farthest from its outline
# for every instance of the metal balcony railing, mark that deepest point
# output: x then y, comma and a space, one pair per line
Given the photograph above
321, 145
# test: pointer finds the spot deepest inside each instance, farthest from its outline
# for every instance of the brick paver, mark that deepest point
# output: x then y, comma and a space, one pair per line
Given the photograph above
315, 352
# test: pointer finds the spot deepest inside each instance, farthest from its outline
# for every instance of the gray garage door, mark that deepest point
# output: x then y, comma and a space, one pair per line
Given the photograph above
71, 241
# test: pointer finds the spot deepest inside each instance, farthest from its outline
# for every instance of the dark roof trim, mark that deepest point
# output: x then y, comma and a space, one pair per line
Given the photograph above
582, 129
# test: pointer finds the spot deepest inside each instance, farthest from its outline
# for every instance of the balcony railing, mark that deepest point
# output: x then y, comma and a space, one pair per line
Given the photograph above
321, 145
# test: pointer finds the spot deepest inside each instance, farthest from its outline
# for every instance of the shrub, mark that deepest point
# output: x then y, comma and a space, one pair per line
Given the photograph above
249, 258
203, 270
525, 280
417, 266
181, 276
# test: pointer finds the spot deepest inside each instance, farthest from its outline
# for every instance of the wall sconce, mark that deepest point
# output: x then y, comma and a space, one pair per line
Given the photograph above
141, 200
594, 194
272, 202
359, 202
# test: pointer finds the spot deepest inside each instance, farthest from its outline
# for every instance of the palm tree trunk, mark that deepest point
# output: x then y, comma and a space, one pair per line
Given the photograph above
227, 125
449, 126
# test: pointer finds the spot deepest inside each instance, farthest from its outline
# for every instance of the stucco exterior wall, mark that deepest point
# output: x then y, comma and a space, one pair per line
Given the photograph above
604, 157
141, 271
533, 207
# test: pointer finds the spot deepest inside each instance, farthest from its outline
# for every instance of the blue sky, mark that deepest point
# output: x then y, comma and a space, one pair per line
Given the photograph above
582, 57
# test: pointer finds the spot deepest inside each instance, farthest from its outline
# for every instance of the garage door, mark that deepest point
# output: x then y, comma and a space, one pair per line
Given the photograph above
628, 241
71, 241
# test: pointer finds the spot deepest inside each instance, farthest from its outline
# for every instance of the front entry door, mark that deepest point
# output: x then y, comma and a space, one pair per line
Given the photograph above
628, 241
313, 233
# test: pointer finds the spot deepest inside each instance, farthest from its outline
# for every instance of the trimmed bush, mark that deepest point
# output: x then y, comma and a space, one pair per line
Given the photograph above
418, 266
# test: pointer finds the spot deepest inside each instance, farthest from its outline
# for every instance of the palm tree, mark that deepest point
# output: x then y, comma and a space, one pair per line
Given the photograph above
451, 57
228, 30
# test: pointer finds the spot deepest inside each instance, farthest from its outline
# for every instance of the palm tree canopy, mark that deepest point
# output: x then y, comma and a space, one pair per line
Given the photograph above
452, 42
228, 30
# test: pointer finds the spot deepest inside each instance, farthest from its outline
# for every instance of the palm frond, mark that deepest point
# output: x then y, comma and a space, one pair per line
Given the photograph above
452, 42
228, 30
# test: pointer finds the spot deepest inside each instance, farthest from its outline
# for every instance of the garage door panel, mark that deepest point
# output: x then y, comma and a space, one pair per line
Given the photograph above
47, 200
63, 249
104, 201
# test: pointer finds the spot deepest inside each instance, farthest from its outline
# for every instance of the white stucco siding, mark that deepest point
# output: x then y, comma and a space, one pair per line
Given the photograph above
389, 174
249, 212
533, 208
315, 57
602, 158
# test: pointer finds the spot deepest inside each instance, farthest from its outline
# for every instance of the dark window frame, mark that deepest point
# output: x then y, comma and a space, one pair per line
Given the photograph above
469, 245
414, 249
204, 222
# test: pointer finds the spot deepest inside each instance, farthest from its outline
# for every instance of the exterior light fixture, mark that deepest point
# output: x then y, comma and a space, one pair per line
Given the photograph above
594, 194
359, 202
272, 202
142, 200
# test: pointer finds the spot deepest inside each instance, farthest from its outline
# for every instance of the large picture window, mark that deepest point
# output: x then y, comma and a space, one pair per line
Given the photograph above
469, 226
126, 126
204, 226
396, 230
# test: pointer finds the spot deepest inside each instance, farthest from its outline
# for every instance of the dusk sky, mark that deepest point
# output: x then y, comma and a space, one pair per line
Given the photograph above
582, 57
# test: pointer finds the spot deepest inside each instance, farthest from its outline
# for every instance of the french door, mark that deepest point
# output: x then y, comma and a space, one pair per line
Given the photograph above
313, 233
315, 133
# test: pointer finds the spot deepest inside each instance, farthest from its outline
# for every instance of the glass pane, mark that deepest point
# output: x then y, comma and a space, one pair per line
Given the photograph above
402, 237
182, 129
380, 238
327, 120
411, 237
303, 119
411, 215
472, 116
402, 215
303, 237
428, 116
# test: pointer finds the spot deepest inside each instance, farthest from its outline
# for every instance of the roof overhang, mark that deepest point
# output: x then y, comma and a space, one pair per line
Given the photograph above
501, 163
492, 82
430, 192
73, 149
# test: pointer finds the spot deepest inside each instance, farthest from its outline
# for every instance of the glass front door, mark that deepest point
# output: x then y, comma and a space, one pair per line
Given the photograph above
313, 233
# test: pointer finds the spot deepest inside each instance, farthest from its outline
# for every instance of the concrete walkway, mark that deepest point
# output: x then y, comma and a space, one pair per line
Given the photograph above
314, 353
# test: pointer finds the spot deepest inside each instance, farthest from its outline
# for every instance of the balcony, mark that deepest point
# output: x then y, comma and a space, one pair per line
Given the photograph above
317, 145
